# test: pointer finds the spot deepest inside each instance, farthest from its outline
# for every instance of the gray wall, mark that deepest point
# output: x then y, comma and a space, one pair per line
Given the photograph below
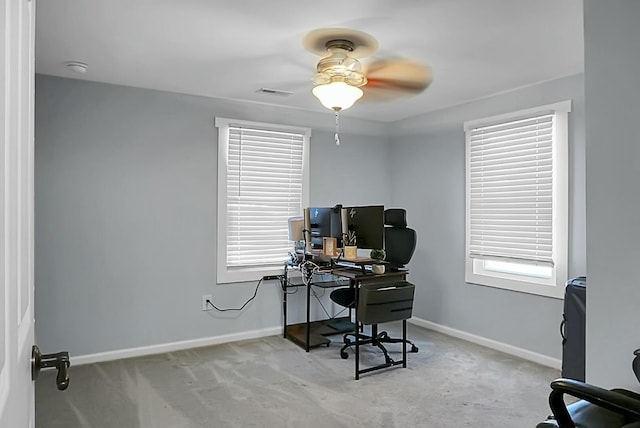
126, 214
125, 217
613, 173
428, 161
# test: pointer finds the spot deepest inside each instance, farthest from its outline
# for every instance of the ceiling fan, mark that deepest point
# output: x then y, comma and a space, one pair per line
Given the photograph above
341, 79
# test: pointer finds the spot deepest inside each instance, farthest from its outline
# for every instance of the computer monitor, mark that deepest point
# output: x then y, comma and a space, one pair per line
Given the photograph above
321, 222
367, 222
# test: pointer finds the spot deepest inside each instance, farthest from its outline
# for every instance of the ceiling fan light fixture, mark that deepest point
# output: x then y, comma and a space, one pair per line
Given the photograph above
338, 95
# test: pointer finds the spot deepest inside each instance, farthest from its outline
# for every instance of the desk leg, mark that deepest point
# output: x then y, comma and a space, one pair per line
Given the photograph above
357, 363
284, 319
404, 344
308, 333
283, 285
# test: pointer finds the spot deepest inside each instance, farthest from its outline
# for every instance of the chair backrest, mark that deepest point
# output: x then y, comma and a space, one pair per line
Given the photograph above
399, 240
636, 364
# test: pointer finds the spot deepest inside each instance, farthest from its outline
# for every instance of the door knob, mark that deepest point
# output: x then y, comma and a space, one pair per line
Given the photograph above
58, 360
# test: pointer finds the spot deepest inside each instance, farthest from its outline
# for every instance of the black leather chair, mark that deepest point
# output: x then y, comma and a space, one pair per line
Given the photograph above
597, 407
400, 243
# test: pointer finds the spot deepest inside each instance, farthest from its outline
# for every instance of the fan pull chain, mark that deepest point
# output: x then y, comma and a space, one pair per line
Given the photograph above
337, 137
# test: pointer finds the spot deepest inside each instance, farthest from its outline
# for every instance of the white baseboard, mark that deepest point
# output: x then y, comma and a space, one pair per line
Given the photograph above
255, 334
174, 346
535, 357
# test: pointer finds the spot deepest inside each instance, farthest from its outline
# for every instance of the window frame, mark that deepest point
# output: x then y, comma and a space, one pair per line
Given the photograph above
249, 273
474, 267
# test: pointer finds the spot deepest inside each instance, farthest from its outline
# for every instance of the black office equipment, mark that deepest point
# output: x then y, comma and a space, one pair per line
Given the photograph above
399, 240
400, 243
597, 407
367, 222
572, 329
323, 222
385, 302
380, 302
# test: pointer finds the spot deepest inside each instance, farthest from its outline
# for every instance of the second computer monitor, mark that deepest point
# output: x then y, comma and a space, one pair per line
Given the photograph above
367, 222
322, 222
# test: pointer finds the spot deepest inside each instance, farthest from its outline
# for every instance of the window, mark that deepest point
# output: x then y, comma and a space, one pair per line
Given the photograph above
262, 181
517, 197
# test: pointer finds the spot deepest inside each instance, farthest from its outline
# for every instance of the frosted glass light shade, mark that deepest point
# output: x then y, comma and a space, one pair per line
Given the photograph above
337, 95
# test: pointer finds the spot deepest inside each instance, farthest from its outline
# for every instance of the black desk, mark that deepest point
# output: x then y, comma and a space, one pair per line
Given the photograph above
357, 278
308, 334
311, 334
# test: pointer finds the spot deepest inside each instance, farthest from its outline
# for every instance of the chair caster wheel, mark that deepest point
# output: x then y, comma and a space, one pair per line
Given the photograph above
344, 355
414, 348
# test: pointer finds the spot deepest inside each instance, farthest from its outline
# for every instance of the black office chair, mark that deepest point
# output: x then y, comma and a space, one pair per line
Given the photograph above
400, 243
597, 407
399, 240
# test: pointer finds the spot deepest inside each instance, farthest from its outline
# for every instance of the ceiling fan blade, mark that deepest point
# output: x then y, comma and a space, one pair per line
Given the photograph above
392, 78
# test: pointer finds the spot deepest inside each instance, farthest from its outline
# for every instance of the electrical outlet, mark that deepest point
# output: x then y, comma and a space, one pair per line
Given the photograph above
205, 305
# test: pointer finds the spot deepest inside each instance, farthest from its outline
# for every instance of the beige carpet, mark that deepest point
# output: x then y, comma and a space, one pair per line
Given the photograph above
271, 382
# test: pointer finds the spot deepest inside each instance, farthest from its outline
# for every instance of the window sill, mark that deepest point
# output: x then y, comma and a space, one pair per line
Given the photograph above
549, 289
227, 276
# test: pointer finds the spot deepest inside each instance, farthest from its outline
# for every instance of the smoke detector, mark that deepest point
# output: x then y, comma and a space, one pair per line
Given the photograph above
77, 66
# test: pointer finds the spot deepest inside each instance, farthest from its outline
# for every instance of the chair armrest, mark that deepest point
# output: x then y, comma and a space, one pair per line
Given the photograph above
622, 402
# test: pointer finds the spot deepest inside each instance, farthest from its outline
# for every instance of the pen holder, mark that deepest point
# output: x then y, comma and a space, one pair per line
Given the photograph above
350, 252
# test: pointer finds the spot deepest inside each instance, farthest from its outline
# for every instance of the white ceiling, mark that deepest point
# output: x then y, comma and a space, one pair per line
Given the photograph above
231, 48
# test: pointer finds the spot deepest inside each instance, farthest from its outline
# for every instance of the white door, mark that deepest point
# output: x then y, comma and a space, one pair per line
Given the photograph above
17, 408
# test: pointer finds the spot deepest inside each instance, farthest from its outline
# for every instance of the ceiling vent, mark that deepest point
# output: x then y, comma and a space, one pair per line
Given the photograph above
279, 92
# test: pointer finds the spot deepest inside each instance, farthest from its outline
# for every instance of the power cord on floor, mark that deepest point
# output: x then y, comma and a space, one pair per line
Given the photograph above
255, 293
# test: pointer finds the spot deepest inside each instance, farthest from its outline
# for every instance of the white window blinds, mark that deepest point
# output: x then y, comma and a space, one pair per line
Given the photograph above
264, 188
511, 190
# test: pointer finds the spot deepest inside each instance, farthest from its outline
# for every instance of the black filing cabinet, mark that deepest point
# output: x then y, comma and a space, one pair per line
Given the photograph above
572, 329
381, 302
